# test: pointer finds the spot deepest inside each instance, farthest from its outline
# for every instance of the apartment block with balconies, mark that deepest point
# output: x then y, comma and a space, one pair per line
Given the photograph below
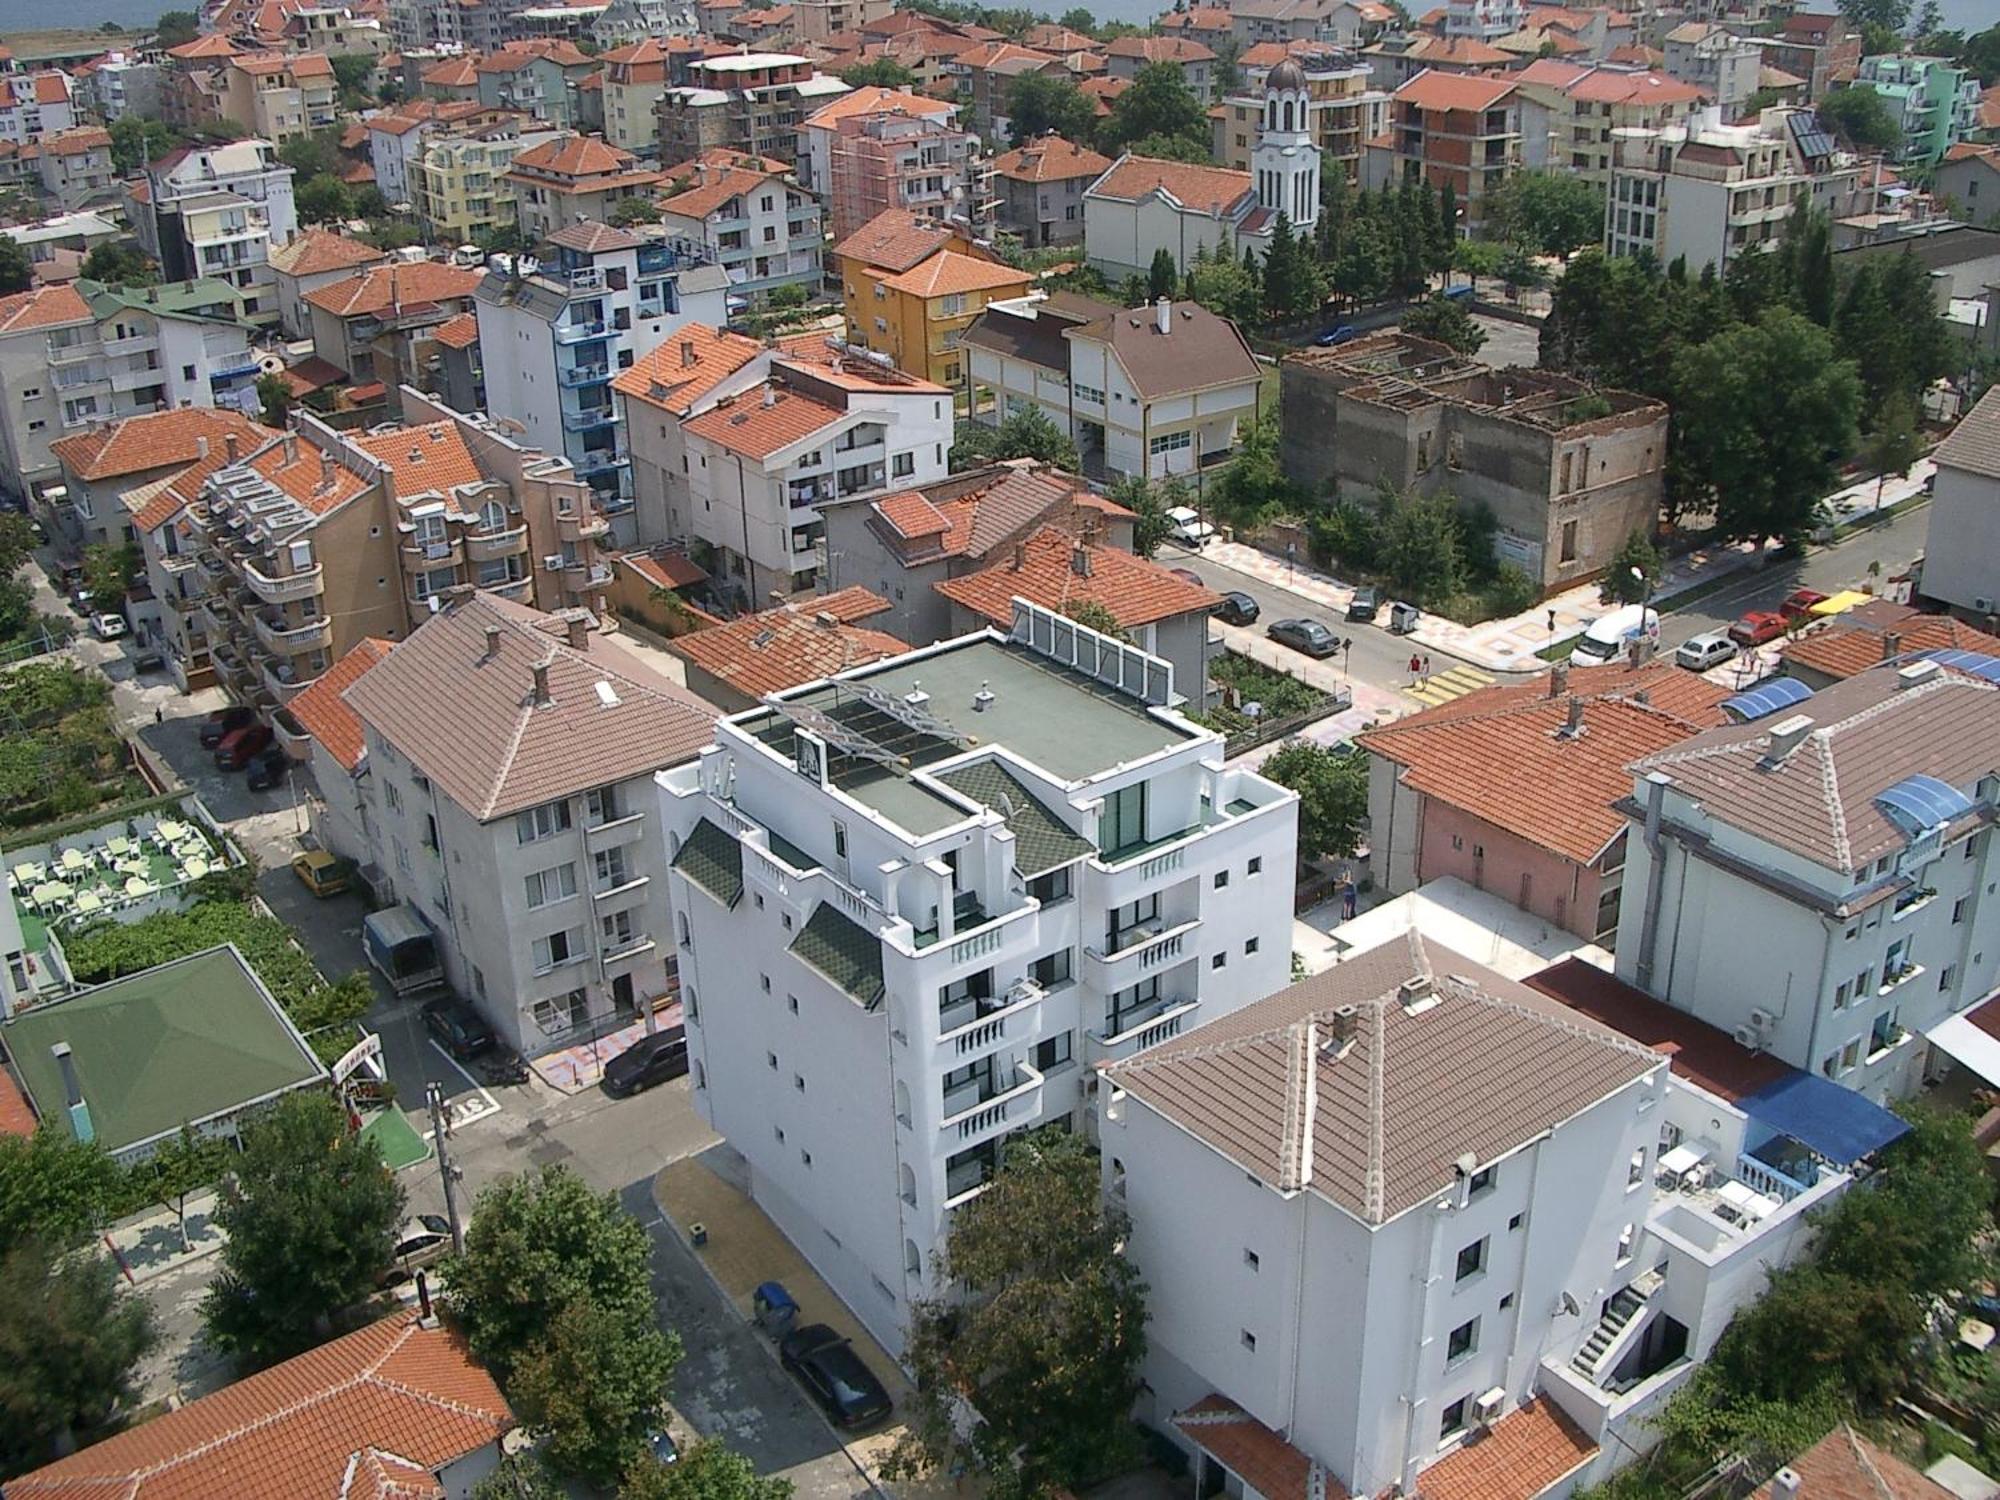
918, 904
215, 211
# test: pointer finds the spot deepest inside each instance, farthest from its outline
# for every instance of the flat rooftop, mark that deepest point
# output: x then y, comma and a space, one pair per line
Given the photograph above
1067, 724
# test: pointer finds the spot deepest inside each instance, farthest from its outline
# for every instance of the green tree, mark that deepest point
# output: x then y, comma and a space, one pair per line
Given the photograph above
880, 72
553, 1277
1027, 433
1038, 104
1332, 783
1808, 254
1636, 554
1889, 15
1161, 275
1420, 549
1140, 496
70, 1338
179, 1168
1859, 116
1038, 1323
1185, 148
627, 213
311, 1214
176, 28
1253, 488
1158, 105
1445, 320
276, 395
705, 1471
1095, 615
17, 541
1218, 281
136, 141
1895, 443
1766, 412
323, 200
521, 1476
119, 265
17, 272
1888, 323
316, 154
354, 76
1550, 212
1293, 285
53, 1187
109, 571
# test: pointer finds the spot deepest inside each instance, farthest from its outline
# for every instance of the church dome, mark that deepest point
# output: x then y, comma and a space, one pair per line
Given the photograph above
1287, 76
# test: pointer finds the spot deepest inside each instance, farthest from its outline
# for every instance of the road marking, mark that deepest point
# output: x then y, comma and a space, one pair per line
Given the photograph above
471, 1115
1454, 682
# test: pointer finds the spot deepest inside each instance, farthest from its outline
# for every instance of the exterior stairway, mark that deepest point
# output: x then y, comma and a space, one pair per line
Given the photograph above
1619, 1316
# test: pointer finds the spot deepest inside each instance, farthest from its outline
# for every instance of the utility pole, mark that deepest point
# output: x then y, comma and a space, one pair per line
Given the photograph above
434, 1095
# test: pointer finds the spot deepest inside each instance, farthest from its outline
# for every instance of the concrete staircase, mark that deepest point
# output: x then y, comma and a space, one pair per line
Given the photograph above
1620, 1324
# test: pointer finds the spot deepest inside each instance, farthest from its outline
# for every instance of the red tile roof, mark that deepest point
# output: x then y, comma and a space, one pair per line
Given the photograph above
1043, 571
1190, 185
397, 284
1616, 86
294, 1429
461, 332
297, 468
1153, 49
1431, 89
511, 57
951, 274
1254, 1453
1704, 1055
1844, 1465
1050, 158
1842, 649
576, 156
666, 569
431, 459
452, 73
204, 46
715, 192
686, 367
324, 714
1519, 1457
44, 307
874, 100
781, 648
894, 240
15, 1116
154, 441
763, 420
318, 250
74, 142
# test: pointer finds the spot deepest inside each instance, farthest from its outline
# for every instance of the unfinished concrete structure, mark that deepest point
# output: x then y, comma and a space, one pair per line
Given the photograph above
1567, 470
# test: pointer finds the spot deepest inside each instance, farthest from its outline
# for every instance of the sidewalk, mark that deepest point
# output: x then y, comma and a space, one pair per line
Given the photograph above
1510, 645
576, 1068
149, 1244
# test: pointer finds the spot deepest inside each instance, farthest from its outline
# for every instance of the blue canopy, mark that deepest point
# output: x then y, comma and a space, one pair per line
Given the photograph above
1838, 1123
1978, 663
1766, 698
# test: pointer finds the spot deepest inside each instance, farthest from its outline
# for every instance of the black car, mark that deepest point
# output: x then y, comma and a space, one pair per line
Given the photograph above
459, 1028
1237, 608
1364, 604
224, 722
1308, 636
650, 1060
268, 769
833, 1373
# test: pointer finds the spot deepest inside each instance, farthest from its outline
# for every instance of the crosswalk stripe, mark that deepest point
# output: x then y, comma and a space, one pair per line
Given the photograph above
1453, 682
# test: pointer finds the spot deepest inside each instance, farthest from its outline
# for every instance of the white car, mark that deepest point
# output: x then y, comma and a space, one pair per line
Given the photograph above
1185, 525
1709, 649
107, 627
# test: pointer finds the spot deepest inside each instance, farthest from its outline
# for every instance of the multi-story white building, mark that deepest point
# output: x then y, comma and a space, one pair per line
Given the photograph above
918, 904
31, 411
1962, 557
33, 105
1817, 879
1723, 65
748, 216
154, 349
529, 838
216, 211
75, 167
553, 340
120, 84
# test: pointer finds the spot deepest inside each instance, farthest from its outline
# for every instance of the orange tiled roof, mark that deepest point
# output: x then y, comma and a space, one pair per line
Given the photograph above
42, 307
398, 284
1152, 49
170, 496
1844, 1465
511, 57
1843, 649
874, 100
298, 64
204, 46
1254, 1453
1431, 89
154, 441
15, 1116
432, 459
1137, 592
461, 332
666, 569
293, 1429
299, 470
1518, 1458
951, 274
72, 142
1191, 185
324, 714
687, 367
1614, 86
894, 240
755, 428
781, 648
705, 198
452, 73
987, 54
1050, 158
576, 156
318, 250
1199, 18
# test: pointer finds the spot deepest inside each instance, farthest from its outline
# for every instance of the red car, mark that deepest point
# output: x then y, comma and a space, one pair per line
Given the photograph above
1799, 602
1757, 627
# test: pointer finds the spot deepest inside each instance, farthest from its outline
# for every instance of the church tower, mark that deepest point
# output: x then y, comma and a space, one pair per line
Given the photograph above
1284, 164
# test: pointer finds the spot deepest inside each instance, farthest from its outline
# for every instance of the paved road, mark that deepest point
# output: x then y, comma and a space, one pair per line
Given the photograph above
1508, 343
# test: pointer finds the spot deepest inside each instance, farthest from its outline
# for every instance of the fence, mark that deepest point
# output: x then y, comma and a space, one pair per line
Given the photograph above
1266, 730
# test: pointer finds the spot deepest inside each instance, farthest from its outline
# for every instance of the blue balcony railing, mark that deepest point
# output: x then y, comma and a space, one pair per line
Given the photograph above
577, 375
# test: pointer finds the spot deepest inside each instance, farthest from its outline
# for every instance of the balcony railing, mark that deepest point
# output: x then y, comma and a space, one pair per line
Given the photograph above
1158, 1025
432, 552
1015, 1024
491, 546
574, 527
577, 375
287, 640
577, 333
1019, 1105
303, 583
589, 418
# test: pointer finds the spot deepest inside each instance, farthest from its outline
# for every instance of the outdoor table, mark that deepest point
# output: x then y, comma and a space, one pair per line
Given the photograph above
195, 868
27, 875
137, 886
120, 846
89, 901
73, 859
1679, 1160
170, 832
49, 892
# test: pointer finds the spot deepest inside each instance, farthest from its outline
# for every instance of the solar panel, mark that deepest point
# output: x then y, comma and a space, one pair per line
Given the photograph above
1766, 698
1813, 139
1921, 803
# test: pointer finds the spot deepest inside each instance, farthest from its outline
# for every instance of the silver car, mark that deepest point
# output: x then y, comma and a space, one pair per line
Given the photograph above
1709, 649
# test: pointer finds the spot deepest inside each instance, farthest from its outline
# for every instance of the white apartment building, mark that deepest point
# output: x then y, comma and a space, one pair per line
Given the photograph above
1962, 555
1437, 1206
1816, 880
552, 341
216, 211
919, 903
529, 839
31, 412
154, 349
759, 226
119, 84
737, 445
33, 105
1723, 65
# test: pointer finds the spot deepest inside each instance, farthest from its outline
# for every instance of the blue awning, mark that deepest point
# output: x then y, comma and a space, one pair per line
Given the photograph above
1766, 698
1838, 1123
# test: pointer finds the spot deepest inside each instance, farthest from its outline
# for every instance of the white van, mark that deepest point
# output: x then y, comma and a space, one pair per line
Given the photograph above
1608, 637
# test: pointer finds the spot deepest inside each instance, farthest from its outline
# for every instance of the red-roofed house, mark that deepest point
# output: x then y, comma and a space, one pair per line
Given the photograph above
537, 77
33, 411
571, 178
75, 166
910, 285
750, 215
1453, 128
879, 148
318, 728
1041, 185
367, 322
1570, 115
33, 105
314, 258
278, 95
735, 665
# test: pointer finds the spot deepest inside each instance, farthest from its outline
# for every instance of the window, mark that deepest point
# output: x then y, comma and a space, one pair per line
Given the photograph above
1948, 977
1850, 1056
1884, 1034
543, 822
1958, 908
1635, 1170
765, 981
1123, 821
1480, 1183
1052, 1053
839, 841
1219, 961
1250, 1258
771, 1061
601, 805
1250, 945
557, 948
1471, 1260
799, 1082
394, 797
1514, 1223
1249, 1340
1256, 865
1051, 969
612, 870
1624, 1252
1568, 538
1169, 442
1221, 879
1841, 992
1506, 1302
1453, 1421
617, 929
902, 465
1052, 887
558, 884
1462, 1342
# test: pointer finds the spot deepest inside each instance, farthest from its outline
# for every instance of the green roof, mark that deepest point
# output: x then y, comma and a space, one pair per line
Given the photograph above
207, 300
713, 860
192, 1040
844, 951
1041, 841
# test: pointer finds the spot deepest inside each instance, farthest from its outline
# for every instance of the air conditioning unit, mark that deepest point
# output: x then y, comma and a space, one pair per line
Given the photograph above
1748, 1036
553, 562
1983, 605
1487, 1407
1763, 1020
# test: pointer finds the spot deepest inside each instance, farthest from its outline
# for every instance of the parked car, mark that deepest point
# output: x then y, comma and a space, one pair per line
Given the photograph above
1798, 604
459, 1029
1185, 525
269, 769
1757, 627
1237, 608
1709, 649
1366, 601
1188, 575
224, 722
1340, 335
107, 627
660, 1443
1309, 636
833, 1374
650, 1060
1459, 293
239, 746
424, 1241
322, 873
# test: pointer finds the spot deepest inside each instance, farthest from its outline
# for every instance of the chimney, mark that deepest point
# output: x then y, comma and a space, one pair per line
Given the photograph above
1416, 993
826, 619
916, 697
1916, 674
492, 643
770, 394
578, 627
1559, 679
1786, 736
1163, 315
1573, 726
1020, 556
291, 449
1785, 1484
73, 1100
326, 470
1079, 560
1341, 1027
542, 698
983, 699
424, 1319
201, 449
1892, 644
229, 445
687, 353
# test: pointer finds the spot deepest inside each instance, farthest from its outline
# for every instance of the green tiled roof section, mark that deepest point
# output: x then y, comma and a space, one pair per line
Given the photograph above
714, 861
209, 300
188, 1040
1041, 842
844, 951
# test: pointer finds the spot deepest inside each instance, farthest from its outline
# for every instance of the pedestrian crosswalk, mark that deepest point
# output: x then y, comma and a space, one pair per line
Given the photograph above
1454, 682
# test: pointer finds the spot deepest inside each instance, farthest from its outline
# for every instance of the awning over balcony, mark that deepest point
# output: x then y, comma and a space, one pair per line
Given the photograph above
1972, 1038
1838, 1123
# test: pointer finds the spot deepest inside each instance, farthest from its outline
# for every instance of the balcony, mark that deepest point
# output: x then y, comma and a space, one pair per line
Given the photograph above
289, 640
423, 554
1019, 1106
1163, 1023
975, 1031
574, 526
589, 418
598, 460
627, 949
492, 546
71, 354
577, 375
1143, 951
282, 681
136, 343
284, 588
577, 333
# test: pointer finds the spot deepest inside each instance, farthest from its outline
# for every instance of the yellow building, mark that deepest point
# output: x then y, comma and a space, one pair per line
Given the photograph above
278, 95
910, 286
455, 183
